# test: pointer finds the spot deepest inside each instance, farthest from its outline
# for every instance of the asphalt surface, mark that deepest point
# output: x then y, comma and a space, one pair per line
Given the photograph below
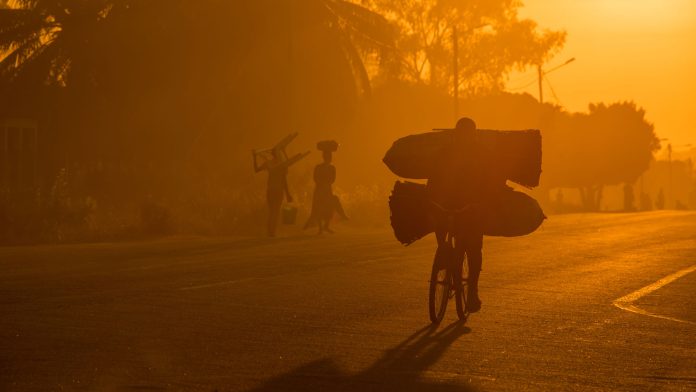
348, 312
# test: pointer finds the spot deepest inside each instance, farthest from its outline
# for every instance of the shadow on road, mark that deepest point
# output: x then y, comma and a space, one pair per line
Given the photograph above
399, 369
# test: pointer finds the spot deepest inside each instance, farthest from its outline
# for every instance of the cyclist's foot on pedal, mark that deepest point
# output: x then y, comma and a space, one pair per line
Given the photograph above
473, 303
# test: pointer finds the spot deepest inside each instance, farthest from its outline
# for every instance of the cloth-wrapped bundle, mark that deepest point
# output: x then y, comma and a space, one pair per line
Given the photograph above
516, 153
408, 204
511, 214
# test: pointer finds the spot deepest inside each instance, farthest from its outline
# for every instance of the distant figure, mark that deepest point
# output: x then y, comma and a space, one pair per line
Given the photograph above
460, 182
660, 202
629, 198
277, 185
324, 202
277, 188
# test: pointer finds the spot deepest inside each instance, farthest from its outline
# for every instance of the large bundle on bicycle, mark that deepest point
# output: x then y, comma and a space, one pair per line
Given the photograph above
517, 154
510, 214
408, 204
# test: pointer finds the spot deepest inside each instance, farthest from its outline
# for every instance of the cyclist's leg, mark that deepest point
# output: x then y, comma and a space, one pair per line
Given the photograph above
473, 244
442, 247
459, 253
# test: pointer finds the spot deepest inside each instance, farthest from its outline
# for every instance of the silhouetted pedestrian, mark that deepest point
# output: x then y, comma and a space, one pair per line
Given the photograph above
324, 202
277, 185
276, 189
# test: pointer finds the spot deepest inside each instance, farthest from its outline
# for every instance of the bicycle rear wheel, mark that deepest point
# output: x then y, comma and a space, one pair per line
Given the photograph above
461, 280
440, 286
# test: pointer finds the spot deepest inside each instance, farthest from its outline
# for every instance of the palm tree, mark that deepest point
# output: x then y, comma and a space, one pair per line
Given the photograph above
356, 27
157, 69
60, 42
53, 41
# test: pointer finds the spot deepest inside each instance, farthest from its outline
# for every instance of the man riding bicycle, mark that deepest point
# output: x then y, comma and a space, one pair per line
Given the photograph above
461, 183
466, 196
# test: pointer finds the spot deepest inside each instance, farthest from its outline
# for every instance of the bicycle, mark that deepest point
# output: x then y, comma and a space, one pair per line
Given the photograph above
448, 277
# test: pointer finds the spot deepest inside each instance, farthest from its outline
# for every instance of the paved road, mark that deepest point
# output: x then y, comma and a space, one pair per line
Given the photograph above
348, 313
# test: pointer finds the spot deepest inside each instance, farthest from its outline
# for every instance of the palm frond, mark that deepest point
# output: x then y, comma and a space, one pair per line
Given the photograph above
15, 59
362, 22
16, 26
43, 64
357, 65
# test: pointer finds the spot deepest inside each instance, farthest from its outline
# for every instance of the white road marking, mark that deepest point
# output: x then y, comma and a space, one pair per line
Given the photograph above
626, 302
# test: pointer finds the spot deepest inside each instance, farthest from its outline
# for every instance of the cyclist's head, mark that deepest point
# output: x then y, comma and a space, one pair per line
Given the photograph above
465, 124
464, 131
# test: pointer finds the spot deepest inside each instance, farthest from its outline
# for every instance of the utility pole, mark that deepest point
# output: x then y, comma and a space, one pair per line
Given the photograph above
455, 72
292, 118
669, 184
540, 74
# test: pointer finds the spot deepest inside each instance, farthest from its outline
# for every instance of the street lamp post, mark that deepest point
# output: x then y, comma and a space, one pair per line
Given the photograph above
669, 196
541, 73
455, 71
669, 183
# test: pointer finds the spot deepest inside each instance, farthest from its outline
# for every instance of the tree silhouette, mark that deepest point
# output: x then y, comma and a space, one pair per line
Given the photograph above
358, 25
52, 41
492, 41
609, 145
165, 80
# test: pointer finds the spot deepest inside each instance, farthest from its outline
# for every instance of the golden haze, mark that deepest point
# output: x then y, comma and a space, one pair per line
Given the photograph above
641, 50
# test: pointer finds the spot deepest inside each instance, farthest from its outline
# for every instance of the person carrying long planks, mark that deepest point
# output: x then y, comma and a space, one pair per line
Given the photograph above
276, 162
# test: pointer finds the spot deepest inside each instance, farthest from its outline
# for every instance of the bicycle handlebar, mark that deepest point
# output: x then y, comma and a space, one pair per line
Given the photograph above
448, 211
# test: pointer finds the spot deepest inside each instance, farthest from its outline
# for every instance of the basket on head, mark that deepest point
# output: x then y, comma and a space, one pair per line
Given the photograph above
327, 146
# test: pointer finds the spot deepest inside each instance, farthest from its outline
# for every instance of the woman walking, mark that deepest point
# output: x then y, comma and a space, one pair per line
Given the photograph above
324, 202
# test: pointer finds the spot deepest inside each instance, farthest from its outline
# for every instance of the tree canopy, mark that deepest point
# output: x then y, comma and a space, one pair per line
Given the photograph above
608, 145
179, 76
179, 73
492, 41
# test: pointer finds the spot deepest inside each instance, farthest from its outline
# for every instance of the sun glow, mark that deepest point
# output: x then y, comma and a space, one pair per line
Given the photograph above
648, 13
640, 50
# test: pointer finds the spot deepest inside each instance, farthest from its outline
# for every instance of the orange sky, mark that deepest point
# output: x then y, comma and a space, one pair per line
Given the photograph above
641, 50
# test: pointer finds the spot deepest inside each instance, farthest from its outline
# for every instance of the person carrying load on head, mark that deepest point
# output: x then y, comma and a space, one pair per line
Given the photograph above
324, 202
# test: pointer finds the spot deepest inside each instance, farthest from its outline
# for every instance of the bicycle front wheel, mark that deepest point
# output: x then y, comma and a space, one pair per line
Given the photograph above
440, 286
461, 279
